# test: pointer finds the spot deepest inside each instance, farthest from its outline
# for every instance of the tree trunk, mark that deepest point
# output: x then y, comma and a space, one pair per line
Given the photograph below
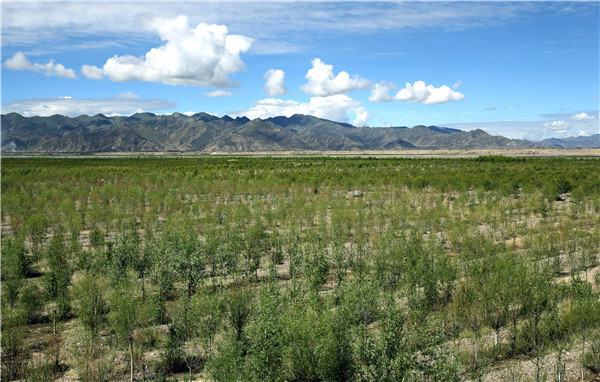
496, 339
477, 357
131, 357
582, 354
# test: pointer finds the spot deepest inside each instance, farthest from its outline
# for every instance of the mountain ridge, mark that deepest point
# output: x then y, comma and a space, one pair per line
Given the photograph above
203, 132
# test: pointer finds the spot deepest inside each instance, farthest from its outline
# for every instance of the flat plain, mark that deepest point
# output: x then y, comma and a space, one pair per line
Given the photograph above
338, 153
270, 267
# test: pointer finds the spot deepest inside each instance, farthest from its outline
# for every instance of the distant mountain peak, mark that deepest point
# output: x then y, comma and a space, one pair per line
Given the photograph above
206, 132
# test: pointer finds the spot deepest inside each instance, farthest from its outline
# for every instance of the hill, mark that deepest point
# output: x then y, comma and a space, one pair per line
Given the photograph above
586, 142
146, 132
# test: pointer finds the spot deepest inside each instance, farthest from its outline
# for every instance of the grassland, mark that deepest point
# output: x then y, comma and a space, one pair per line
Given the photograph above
312, 268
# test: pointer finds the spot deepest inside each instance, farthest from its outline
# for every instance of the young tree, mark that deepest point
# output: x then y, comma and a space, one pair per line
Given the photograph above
208, 311
58, 278
256, 246
538, 297
91, 307
15, 260
190, 261
16, 266
124, 315
32, 301
583, 316
125, 252
238, 310
13, 350
340, 263
36, 227
265, 337
335, 362
469, 309
315, 267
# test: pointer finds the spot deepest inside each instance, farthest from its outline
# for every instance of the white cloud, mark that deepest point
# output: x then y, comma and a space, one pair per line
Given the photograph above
202, 56
321, 81
557, 125
127, 95
39, 22
20, 62
581, 116
121, 104
275, 84
362, 117
218, 93
418, 92
457, 84
531, 130
92, 72
337, 108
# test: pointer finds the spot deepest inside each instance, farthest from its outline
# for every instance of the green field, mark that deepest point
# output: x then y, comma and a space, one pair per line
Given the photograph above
300, 269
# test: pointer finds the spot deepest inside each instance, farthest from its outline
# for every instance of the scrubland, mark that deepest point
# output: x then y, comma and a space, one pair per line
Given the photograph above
300, 269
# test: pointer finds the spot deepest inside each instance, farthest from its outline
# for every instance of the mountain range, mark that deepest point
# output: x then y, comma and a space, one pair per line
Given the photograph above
203, 132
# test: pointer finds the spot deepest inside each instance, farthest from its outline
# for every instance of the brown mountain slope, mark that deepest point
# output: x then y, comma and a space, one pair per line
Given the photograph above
143, 132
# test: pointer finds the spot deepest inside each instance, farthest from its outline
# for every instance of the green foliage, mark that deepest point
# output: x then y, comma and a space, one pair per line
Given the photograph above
256, 241
189, 262
16, 266
173, 353
360, 301
36, 227
336, 361
124, 316
92, 307
592, 358
316, 267
124, 253
227, 364
14, 353
264, 359
58, 278
302, 337
92, 361
208, 313
238, 310
308, 268
32, 302
16, 263
583, 315
498, 159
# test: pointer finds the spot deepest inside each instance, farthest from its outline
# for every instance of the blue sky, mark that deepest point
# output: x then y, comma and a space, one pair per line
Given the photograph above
519, 69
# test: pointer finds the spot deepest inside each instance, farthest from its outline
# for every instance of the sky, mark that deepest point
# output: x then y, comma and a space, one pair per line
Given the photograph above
525, 70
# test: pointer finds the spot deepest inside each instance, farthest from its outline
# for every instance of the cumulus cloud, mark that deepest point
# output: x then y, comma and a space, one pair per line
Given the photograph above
202, 56
581, 116
457, 84
121, 104
321, 81
418, 92
559, 125
218, 93
362, 117
92, 72
337, 107
20, 62
530, 129
275, 84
